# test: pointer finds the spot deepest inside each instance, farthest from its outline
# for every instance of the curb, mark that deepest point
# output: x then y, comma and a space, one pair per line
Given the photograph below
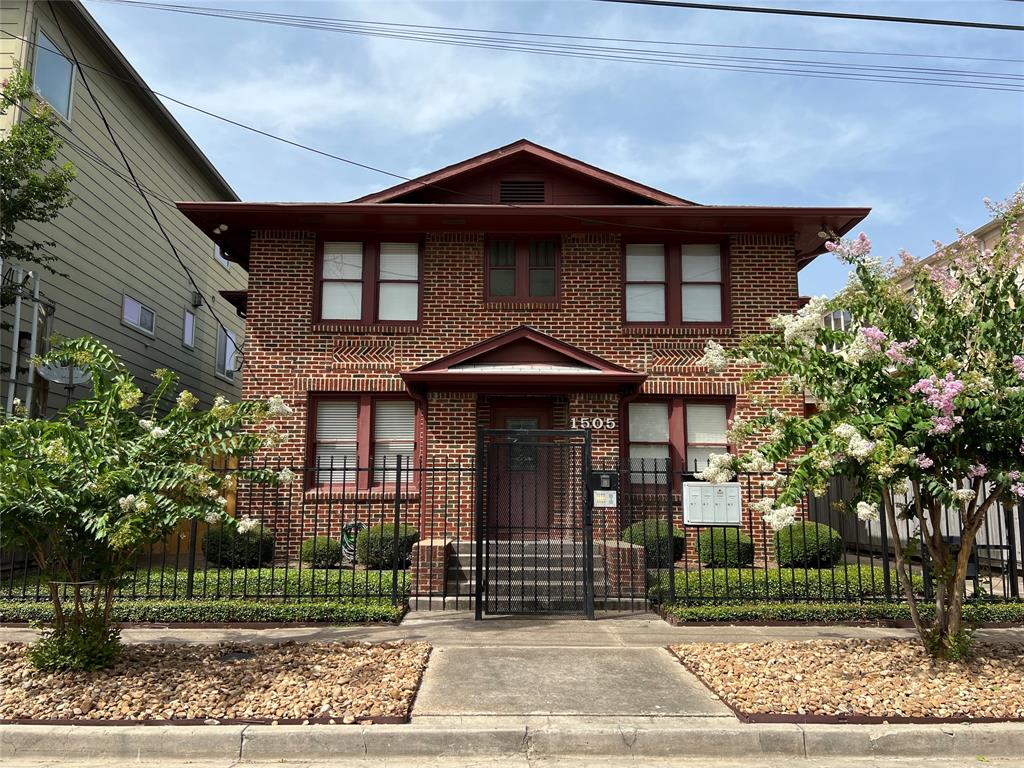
551, 737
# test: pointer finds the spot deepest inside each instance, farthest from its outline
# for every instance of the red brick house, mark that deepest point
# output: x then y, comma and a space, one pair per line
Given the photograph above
519, 289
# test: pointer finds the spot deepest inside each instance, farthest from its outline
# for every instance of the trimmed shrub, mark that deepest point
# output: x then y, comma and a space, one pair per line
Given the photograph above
226, 546
804, 544
653, 536
321, 552
724, 546
830, 613
375, 546
842, 584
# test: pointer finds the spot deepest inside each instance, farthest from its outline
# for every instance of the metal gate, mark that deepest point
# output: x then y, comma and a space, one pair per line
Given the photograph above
534, 527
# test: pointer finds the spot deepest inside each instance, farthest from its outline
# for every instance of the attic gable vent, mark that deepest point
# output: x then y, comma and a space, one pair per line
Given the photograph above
514, 191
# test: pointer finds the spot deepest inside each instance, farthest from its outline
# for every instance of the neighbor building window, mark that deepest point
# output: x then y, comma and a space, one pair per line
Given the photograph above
674, 434
369, 282
675, 284
218, 254
53, 76
359, 440
188, 329
227, 349
522, 269
138, 315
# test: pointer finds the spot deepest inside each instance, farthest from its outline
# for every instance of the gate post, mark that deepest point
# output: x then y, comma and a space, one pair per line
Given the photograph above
478, 527
588, 531
1011, 540
396, 558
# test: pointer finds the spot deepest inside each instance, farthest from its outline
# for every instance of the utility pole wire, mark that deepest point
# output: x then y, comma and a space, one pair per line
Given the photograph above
823, 14
138, 184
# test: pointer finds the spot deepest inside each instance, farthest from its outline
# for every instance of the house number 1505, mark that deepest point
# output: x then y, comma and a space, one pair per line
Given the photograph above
585, 422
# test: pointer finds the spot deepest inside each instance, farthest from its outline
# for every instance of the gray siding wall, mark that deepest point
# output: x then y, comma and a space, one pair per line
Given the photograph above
107, 241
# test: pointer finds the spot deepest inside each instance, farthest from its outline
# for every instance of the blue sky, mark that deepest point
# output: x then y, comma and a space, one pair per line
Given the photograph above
922, 157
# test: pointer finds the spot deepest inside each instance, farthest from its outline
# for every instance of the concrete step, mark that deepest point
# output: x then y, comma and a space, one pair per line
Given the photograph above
521, 546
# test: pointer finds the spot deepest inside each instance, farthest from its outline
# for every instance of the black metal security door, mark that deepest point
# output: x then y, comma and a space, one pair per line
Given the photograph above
534, 542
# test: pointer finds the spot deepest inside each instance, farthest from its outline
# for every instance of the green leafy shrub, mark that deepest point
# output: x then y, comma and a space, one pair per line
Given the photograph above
321, 552
94, 646
228, 547
346, 611
844, 583
653, 536
376, 545
830, 613
724, 546
804, 544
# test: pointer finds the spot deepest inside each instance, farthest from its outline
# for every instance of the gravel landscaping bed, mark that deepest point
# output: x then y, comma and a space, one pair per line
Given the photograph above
868, 680
285, 682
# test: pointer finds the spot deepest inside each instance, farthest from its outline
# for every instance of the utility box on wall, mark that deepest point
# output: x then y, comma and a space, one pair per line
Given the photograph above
712, 504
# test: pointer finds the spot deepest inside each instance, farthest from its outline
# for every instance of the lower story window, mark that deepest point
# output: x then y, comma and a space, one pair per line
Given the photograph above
359, 440
227, 348
674, 434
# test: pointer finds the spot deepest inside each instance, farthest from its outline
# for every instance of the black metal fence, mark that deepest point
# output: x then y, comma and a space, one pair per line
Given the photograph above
399, 533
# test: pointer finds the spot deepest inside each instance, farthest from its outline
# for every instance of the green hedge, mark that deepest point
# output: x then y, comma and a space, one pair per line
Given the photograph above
198, 611
376, 545
653, 536
844, 583
321, 552
974, 613
228, 547
724, 546
804, 544
215, 583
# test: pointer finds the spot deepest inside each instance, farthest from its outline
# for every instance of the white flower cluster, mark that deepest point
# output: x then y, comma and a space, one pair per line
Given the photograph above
212, 517
867, 512
146, 424
159, 432
56, 451
857, 446
247, 524
131, 501
776, 518
286, 476
719, 469
756, 462
714, 359
857, 350
804, 325
186, 400
966, 495
221, 407
276, 406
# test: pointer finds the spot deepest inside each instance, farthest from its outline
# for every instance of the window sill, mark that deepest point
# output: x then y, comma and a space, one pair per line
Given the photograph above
389, 329
678, 330
350, 493
518, 304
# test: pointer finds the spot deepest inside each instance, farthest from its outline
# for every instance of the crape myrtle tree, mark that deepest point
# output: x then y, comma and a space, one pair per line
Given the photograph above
922, 398
86, 491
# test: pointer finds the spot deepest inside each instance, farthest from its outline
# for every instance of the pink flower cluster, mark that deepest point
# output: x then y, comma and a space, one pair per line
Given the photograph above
1018, 365
874, 337
897, 352
977, 470
940, 394
924, 462
850, 250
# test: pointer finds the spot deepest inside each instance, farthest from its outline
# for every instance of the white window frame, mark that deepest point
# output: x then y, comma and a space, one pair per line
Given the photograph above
224, 339
185, 341
125, 298
219, 256
53, 48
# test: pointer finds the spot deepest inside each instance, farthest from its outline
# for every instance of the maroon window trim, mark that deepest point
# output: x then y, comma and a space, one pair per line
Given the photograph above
677, 444
365, 444
523, 268
370, 279
673, 285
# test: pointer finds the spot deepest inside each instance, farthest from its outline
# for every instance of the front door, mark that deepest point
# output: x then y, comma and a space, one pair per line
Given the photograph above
520, 503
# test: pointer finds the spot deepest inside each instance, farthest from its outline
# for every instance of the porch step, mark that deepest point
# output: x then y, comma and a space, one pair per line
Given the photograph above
465, 603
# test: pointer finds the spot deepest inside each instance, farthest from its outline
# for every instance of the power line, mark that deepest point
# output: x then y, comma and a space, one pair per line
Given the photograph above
212, 11
996, 81
823, 14
138, 184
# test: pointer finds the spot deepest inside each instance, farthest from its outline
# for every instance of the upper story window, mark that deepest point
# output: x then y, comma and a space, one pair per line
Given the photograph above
522, 269
351, 434
521, 191
369, 282
227, 349
188, 329
138, 315
219, 256
53, 76
675, 284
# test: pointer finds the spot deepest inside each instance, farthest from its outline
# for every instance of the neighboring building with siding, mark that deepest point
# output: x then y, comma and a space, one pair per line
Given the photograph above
123, 284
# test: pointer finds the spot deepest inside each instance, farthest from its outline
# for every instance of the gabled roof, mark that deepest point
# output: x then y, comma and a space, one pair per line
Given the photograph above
527, 357
523, 148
